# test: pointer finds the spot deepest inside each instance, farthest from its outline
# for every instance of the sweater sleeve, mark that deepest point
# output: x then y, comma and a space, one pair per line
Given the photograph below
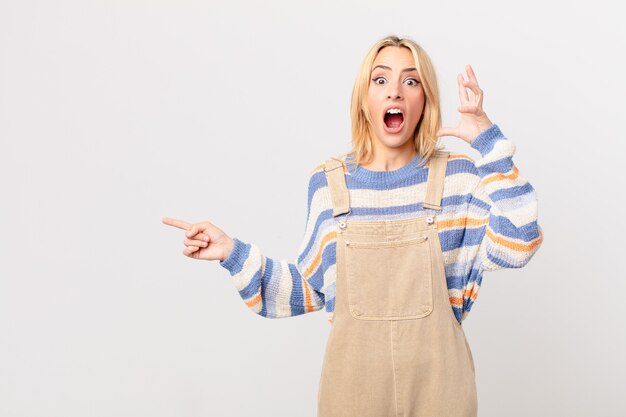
505, 203
274, 288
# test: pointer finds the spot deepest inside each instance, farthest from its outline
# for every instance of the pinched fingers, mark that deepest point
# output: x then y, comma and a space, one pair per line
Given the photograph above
192, 246
472, 84
197, 236
463, 97
197, 243
190, 250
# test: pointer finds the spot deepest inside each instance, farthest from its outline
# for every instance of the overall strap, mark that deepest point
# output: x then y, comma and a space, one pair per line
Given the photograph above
436, 176
333, 168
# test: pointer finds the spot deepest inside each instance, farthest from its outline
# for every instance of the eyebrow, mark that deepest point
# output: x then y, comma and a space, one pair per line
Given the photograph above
389, 68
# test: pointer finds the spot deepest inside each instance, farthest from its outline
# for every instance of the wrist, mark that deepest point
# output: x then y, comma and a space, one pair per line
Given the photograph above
486, 139
237, 256
228, 248
483, 124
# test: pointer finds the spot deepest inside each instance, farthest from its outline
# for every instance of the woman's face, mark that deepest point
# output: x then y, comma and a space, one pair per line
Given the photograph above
395, 98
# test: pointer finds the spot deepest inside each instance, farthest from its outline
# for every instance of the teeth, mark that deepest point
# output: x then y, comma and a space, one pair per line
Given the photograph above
394, 111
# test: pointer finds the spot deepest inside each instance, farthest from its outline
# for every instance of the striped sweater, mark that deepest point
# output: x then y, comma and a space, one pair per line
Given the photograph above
488, 222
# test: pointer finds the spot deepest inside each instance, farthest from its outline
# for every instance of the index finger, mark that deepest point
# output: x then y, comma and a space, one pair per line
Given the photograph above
462, 91
176, 223
470, 73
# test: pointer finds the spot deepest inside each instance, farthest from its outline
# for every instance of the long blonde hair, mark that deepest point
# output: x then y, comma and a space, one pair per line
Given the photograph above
425, 136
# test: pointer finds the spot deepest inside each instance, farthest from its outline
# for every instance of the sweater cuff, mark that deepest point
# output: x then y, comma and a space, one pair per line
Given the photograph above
487, 138
237, 257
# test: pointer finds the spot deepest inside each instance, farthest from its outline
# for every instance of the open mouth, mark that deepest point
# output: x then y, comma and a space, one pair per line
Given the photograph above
394, 119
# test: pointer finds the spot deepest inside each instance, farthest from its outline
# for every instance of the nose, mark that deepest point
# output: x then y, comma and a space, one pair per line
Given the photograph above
394, 91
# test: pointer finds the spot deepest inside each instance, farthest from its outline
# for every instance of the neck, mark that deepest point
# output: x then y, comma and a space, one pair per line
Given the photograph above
389, 159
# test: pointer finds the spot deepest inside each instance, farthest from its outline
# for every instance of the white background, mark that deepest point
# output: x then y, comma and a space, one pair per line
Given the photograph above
114, 114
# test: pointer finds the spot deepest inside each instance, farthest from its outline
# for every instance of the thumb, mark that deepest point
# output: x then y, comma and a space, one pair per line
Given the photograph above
447, 131
468, 109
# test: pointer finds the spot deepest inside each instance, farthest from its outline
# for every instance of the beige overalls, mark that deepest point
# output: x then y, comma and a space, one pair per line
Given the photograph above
395, 348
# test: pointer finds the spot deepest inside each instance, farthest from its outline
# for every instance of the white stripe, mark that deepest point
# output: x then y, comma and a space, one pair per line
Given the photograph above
252, 263
285, 284
503, 148
330, 282
518, 215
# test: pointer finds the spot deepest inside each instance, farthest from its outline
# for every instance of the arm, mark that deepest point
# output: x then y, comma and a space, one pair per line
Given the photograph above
505, 203
275, 288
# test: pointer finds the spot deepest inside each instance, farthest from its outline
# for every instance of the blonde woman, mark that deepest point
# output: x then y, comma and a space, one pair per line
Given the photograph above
398, 235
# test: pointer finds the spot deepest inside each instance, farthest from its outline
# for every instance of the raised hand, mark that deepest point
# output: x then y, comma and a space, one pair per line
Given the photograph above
473, 118
203, 240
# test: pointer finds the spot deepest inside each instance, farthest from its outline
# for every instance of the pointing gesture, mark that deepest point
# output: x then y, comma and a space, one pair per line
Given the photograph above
473, 118
203, 240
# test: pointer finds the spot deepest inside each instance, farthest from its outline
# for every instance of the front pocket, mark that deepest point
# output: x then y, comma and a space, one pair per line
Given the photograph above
389, 280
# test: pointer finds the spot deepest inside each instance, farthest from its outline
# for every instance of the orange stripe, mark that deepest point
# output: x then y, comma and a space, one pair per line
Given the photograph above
500, 240
460, 156
308, 306
253, 301
471, 292
497, 177
460, 222
520, 247
456, 301
318, 256
474, 292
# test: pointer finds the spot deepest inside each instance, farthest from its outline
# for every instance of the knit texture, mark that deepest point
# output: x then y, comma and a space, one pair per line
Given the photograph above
488, 222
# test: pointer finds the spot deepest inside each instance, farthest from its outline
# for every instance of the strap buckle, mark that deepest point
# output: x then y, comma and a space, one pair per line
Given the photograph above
342, 222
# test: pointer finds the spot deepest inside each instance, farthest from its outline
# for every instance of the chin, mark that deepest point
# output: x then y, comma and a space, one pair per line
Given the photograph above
394, 141
394, 144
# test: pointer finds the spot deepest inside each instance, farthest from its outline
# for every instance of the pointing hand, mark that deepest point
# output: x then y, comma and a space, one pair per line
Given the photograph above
203, 240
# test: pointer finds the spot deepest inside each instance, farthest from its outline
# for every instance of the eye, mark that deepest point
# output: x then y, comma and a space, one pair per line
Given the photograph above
379, 80
411, 82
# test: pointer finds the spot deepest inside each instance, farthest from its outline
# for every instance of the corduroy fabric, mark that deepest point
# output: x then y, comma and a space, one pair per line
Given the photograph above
395, 348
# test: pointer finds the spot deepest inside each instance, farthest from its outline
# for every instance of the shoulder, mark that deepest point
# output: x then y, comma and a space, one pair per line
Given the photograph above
318, 184
344, 159
460, 163
317, 176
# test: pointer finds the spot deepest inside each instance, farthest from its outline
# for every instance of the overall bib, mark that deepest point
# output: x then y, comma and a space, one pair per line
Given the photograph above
395, 348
